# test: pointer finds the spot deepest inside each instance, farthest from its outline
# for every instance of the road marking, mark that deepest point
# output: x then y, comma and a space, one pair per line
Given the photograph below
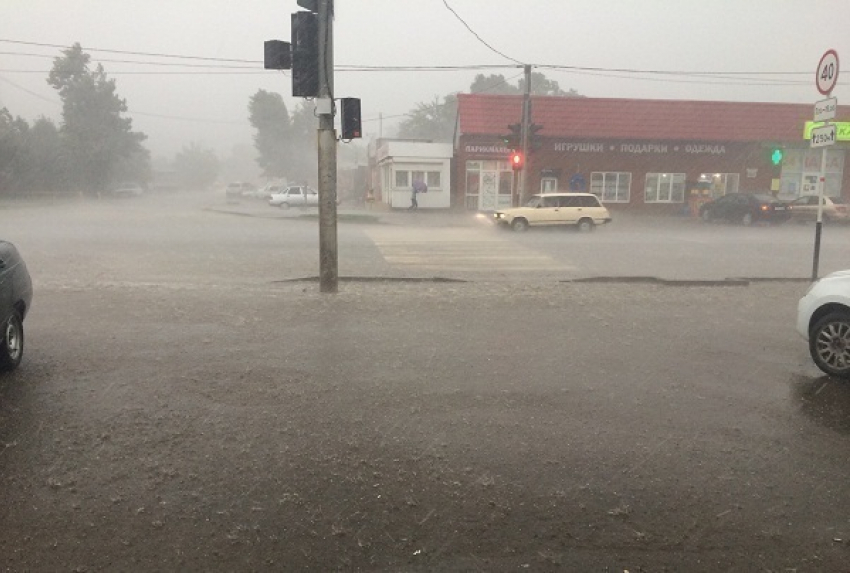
458, 249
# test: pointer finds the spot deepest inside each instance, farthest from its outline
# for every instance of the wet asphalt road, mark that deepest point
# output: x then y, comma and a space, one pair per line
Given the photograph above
180, 409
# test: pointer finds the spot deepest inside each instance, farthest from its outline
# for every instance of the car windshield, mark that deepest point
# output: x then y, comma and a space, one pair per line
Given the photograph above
838, 200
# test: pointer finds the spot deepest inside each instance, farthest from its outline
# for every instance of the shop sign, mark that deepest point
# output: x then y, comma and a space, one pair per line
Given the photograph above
497, 149
842, 130
579, 147
635, 148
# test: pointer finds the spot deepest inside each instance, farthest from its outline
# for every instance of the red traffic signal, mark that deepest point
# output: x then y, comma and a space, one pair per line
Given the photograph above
517, 160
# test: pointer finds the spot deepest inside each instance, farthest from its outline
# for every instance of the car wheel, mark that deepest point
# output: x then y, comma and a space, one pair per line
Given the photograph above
12, 349
585, 225
519, 225
747, 219
829, 344
284, 205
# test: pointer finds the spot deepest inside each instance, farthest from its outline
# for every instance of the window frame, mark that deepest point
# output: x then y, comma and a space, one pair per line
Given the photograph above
603, 186
671, 199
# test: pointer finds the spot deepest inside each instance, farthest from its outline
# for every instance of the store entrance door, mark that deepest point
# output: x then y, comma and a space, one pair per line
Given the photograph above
488, 198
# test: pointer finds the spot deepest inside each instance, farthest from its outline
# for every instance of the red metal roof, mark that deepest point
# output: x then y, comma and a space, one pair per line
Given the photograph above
606, 118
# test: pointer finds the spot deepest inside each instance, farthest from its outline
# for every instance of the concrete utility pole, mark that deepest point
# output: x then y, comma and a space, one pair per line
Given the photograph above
328, 253
526, 129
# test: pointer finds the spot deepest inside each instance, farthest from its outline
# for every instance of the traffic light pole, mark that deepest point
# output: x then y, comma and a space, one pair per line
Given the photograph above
526, 127
328, 251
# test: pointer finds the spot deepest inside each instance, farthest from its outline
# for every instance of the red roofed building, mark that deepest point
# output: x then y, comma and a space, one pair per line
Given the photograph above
657, 155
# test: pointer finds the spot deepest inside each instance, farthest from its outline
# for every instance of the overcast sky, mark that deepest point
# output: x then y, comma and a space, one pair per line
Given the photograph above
177, 105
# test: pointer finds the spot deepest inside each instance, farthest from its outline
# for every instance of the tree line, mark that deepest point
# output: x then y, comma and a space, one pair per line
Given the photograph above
94, 147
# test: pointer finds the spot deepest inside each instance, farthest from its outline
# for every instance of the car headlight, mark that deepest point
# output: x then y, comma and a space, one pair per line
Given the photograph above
498, 215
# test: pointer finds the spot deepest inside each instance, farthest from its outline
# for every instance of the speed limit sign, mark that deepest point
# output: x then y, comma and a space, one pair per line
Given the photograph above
827, 74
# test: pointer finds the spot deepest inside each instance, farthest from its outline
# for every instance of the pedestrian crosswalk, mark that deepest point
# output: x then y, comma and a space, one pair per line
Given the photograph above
458, 249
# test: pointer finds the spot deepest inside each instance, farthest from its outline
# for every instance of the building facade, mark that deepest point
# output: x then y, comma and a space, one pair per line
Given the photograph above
653, 155
396, 164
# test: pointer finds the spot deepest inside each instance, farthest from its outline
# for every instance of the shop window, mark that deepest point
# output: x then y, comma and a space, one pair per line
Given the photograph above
664, 188
549, 185
434, 180
718, 184
801, 172
611, 187
402, 179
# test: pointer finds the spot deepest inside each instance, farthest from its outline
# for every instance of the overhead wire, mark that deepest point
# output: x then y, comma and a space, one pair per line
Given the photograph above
474, 33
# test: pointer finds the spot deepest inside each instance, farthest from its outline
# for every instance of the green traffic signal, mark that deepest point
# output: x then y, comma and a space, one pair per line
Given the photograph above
776, 156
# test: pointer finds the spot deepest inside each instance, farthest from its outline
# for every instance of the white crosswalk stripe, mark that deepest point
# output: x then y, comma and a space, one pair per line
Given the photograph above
458, 249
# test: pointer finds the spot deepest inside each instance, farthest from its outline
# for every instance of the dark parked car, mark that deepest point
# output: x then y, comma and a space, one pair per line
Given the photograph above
15, 298
746, 209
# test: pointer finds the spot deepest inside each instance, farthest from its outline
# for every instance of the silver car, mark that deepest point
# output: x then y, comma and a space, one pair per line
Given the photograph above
295, 196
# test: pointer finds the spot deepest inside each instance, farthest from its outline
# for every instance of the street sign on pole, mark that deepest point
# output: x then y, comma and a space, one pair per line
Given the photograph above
827, 73
826, 77
825, 109
824, 135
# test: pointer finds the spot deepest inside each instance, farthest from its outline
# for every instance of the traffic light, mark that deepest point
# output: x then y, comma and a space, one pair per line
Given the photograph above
305, 54
535, 142
512, 140
776, 155
350, 118
276, 55
517, 161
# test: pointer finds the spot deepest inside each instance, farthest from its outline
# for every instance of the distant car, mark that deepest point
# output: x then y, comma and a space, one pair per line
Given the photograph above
127, 190
236, 189
806, 209
15, 299
295, 196
264, 193
745, 208
583, 210
823, 318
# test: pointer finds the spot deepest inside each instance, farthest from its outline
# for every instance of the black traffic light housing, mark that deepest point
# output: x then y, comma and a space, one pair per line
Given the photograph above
512, 140
535, 141
350, 118
305, 54
277, 55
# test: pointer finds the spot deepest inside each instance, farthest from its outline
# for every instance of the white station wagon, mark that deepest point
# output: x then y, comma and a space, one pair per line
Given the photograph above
580, 209
295, 196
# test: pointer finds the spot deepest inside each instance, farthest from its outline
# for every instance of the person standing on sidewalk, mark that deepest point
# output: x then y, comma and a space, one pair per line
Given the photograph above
419, 186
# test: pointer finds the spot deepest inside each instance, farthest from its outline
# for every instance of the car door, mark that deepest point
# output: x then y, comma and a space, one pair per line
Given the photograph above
570, 209
311, 196
295, 196
548, 213
731, 207
7, 264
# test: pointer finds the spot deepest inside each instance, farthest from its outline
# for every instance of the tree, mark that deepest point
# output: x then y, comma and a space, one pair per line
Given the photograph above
97, 138
541, 85
305, 152
434, 121
196, 167
492, 84
43, 164
12, 132
273, 139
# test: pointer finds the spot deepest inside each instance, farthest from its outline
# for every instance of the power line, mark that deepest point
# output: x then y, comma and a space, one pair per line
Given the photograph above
474, 33
388, 68
128, 52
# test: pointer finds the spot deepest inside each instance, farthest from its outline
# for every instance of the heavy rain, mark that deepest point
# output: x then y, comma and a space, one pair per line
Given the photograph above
563, 332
